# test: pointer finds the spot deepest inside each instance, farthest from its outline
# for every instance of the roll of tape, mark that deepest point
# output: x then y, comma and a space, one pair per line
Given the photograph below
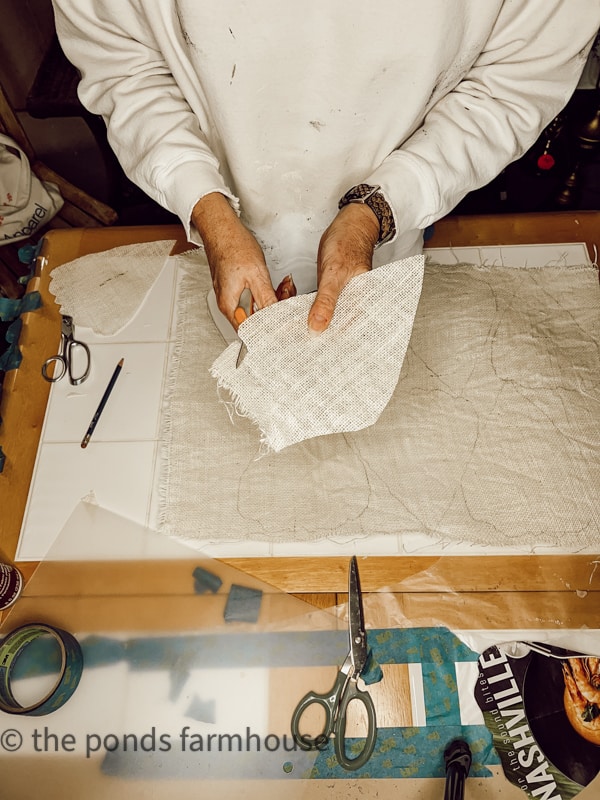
11, 584
71, 668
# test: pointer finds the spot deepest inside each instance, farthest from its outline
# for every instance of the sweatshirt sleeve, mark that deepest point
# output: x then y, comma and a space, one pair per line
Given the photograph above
159, 141
525, 74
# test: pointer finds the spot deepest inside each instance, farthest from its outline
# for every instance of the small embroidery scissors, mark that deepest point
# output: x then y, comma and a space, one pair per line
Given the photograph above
247, 306
63, 360
345, 689
244, 308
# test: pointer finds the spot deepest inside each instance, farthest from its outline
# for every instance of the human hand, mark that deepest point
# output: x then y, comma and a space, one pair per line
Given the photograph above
345, 250
234, 256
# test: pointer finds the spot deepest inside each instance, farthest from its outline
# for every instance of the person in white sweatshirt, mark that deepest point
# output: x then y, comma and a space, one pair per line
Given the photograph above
320, 137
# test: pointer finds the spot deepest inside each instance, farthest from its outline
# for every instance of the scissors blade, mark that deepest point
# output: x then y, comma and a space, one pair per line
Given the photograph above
66, 326
356, 620
244, 308
241, 355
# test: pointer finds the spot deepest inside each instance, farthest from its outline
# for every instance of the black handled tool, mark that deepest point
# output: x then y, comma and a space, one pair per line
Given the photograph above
458, 763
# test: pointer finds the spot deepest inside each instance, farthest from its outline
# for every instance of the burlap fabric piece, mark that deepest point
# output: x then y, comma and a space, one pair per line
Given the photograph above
295, 386
104, 291
492, 435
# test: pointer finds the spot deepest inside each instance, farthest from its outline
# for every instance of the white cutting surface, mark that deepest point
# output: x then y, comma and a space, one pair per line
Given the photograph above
120, 467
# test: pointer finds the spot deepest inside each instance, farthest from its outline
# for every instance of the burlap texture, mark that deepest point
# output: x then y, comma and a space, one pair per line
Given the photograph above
296, 386
491, 436
104, 291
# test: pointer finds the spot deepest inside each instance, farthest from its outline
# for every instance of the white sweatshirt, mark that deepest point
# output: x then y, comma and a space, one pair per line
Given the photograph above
283, 105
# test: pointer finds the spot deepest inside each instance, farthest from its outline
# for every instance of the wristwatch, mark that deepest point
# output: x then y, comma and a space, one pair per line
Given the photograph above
371, 196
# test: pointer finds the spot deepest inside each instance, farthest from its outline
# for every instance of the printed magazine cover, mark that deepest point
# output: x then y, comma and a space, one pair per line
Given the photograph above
543, 711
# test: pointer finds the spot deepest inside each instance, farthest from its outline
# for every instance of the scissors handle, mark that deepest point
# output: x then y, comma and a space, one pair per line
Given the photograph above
329, 703
63, 362
335, 705
60, 367
71, 347
352, 692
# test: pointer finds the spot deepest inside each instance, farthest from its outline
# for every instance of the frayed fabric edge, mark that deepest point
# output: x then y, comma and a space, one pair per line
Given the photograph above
166, 421
235, 406
491, 266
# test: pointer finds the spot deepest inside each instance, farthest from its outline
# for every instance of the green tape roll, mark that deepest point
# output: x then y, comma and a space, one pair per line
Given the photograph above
71, 668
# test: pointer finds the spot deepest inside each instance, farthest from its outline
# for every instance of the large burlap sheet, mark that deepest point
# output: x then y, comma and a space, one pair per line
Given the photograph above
492, 435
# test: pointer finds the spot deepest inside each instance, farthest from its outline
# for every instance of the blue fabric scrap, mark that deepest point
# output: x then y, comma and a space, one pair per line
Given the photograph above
205, 581
11, 358
11, 309
418, 645
372, 673
410, 753
179, 675
243, 604
201, 710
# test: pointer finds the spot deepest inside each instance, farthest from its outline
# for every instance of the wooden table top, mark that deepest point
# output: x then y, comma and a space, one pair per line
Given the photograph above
535, 584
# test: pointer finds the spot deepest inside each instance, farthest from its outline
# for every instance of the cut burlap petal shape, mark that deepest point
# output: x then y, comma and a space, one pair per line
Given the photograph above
296, 386
104, 291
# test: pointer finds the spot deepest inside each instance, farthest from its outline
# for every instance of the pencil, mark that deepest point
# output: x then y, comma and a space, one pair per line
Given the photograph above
100, 408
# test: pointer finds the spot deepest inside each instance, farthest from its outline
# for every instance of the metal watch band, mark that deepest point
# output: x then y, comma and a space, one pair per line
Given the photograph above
371, 196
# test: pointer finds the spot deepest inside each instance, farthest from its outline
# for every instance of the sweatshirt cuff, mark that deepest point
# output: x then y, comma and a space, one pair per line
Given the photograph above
409, 189
189, 182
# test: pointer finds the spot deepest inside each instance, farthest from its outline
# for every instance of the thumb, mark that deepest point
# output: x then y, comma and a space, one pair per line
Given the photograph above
321, 312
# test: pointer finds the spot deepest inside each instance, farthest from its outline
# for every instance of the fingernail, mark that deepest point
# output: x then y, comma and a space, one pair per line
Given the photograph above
313, 333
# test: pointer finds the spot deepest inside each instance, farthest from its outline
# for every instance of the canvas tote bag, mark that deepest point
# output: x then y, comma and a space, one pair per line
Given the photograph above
26, 203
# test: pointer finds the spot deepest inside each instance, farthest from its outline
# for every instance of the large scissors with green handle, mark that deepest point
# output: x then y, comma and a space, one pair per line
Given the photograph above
345, 689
